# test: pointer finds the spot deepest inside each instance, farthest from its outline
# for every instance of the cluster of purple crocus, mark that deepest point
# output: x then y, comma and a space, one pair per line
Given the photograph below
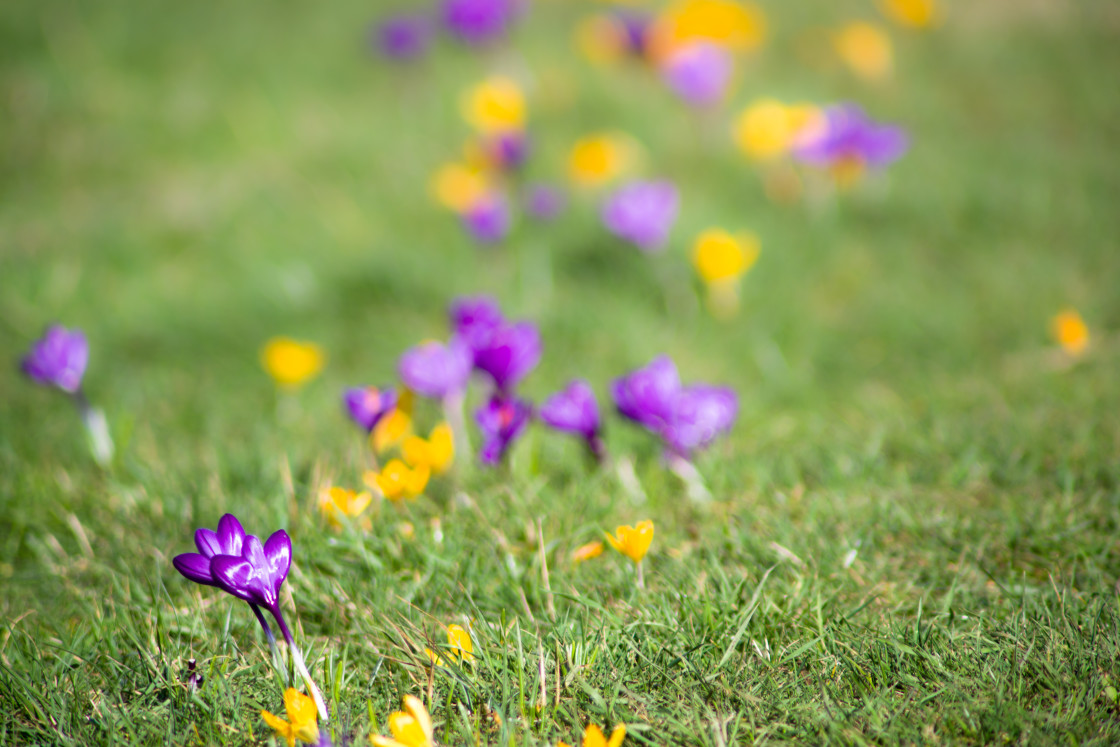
643, 213
58, 359
686, 418
407, 36
244, 567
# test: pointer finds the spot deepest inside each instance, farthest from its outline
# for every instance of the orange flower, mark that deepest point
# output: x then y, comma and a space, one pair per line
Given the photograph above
1070, 331
587, 552
397, 481
738, 26
866, 49
436, 453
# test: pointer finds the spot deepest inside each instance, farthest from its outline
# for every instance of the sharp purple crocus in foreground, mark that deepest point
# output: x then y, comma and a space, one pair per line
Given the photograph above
501, 421
433, 369
478, 21
574, 410
403, 37
241, 566
643, 213
58, 359
700, 73
488, 220
510, 352
544, 202
647, 395
366, 405
845, 133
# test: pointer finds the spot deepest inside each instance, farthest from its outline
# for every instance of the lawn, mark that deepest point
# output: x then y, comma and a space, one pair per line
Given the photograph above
912, 535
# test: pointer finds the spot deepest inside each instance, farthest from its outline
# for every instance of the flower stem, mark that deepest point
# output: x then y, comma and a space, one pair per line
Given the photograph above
277, 660
693, 480
641, 576
453, 413
301, 666
97, 429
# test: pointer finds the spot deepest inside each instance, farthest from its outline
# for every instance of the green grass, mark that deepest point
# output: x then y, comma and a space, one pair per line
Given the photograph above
184, 181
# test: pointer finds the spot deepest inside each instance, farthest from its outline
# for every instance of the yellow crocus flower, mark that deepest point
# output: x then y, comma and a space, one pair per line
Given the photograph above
767, 128
495, 105
459, 638
303, 719
633, 541
1070, 332
866, 49
913, 13
290, 362
437, 452
390, 430
593, 737
459, 186
336, 502
601, 158
720, 256
397, 481
738, 26
411, 727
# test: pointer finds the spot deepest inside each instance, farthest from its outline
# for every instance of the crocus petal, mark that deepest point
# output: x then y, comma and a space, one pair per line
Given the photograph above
208, 543
195, 567
231, 535
234, 574
278, 548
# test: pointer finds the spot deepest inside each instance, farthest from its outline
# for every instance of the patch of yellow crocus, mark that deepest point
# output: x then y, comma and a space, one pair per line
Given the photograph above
1070, 332
916, 14
459, 186
767, 128
737, 26
397, 480
303, 719
291, 363
601, 158
411, 727
866, 49
336, 502
495, 105
437, 452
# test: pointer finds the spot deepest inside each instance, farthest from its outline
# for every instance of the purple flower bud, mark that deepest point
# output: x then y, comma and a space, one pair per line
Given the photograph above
573, 410
511, 351
700, 414
544, 202
488, 220
846, 133
403, 37
700, 73
58, 359
635, 25
433, 369
258, 572
478, 21
501, 420
642, 213
474, 319
648, 395
367, 405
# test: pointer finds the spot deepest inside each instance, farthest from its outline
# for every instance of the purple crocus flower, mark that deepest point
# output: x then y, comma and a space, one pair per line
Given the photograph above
229, 539
488, 220
648, 395
642, 213
502, 420
403, 37
433, 369
700, 414
574, 410
845, 133
474, 319
544, 201
58, 359
700, 73
511, 351
478, 21
366, 405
